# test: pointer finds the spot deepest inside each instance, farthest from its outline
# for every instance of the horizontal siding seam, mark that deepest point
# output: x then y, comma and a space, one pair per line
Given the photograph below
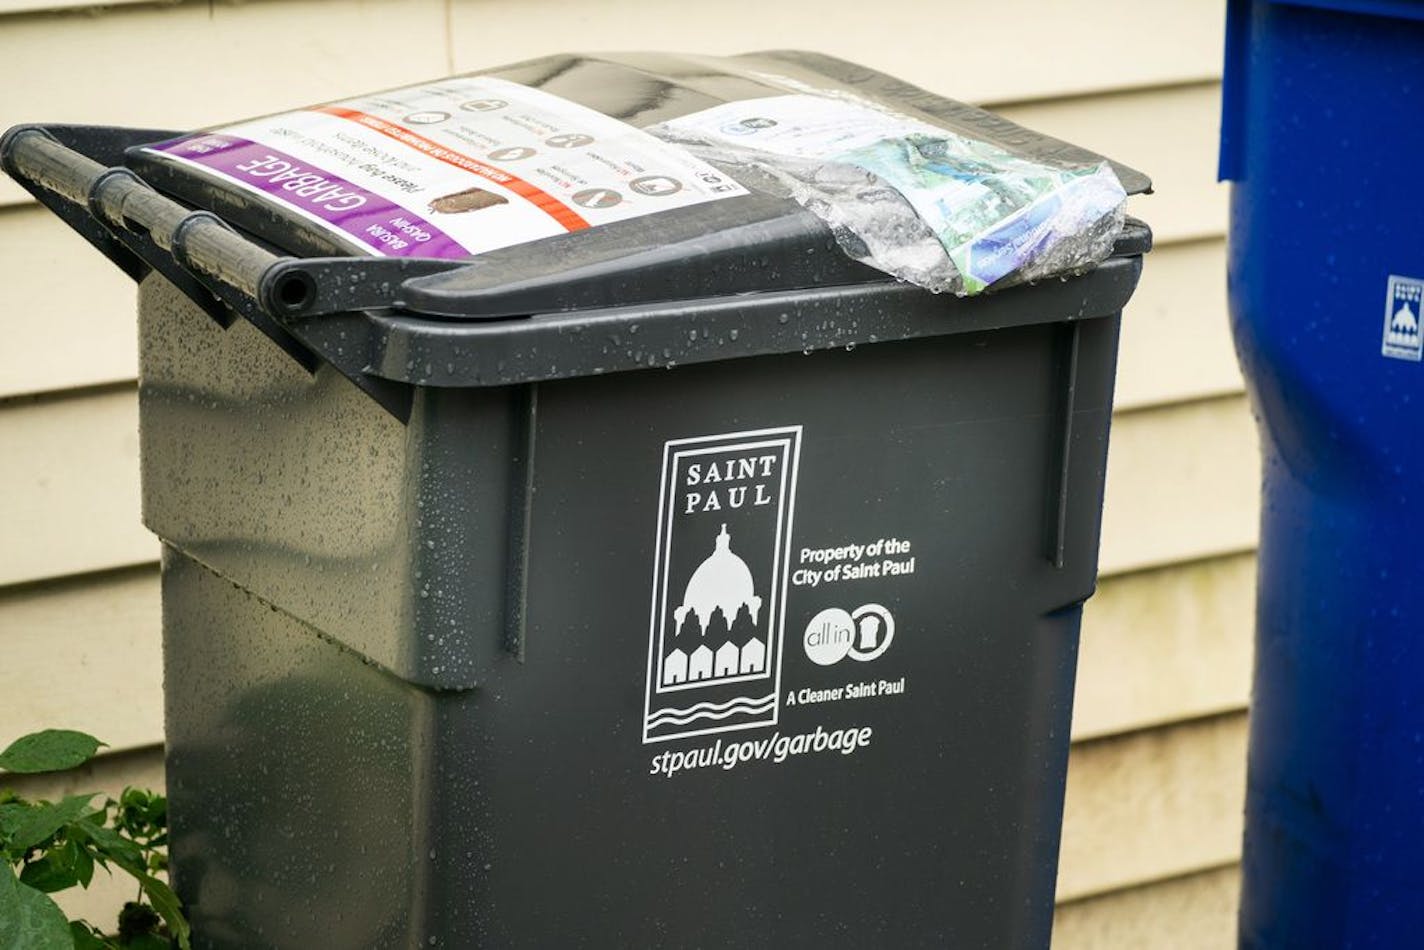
1193, 557
1130, 729
1090, 744
1147, 883
1162, 402
62, 584
93, 9
1072, 95
1188, 402
49, 397
1195, 561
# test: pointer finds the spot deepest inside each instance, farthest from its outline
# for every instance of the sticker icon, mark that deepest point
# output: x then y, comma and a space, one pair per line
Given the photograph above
719, 583
471, 199
829, 636
483, 105
749, 126
874, 630
1401, 319
569, 140
430, 117
655, 186
862, 634
597, 198
511, 153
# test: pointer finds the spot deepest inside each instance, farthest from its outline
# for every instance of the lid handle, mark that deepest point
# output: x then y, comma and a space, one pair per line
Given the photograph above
222, 271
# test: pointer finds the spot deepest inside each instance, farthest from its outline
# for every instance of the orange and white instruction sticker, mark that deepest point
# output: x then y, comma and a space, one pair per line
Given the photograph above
453, 168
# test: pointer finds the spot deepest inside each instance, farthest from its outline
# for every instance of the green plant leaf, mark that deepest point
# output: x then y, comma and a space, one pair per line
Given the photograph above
109, 845
141, 815
52, 872
95, 854
11, 814
161, 896
83, 864
52, 750
46, 818
29, 920
85, 937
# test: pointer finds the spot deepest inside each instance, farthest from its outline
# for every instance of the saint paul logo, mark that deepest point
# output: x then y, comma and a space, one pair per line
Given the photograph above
719, 583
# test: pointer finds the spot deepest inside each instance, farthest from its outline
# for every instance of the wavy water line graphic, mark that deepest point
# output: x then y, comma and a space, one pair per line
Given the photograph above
695, 717
733, 707
698, 707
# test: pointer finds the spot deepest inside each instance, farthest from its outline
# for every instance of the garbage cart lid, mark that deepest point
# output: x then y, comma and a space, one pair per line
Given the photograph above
779, 263
688, 227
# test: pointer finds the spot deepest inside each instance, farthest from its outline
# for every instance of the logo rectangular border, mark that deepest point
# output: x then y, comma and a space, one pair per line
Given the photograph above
1393, 350
790, 436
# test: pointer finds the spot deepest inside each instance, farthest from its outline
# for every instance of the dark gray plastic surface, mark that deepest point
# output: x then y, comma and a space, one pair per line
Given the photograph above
405, 692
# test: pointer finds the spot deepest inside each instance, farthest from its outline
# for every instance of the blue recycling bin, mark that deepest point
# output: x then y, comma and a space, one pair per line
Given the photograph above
1323, 137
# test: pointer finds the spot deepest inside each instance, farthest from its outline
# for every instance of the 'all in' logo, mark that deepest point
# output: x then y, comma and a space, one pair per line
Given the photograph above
719, 583
1401, 319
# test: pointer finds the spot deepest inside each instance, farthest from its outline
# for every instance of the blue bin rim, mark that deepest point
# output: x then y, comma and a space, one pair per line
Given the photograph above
1409, 9
1235, 75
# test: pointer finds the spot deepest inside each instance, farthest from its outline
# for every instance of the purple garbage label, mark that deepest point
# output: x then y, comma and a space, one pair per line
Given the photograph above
376, 222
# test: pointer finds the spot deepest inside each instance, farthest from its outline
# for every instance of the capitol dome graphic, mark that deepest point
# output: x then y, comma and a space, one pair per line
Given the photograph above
722, 583
1403, 330
1405, 321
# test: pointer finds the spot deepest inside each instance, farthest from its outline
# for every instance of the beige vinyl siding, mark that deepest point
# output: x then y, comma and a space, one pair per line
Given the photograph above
1181, 484
69, 464
93, 637
1176, 341
69, 312
1165, 645
1152, 804
1154, 797
1027, 50
1185, 913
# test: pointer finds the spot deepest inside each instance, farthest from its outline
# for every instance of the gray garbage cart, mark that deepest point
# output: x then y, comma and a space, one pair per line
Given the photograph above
604, 549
